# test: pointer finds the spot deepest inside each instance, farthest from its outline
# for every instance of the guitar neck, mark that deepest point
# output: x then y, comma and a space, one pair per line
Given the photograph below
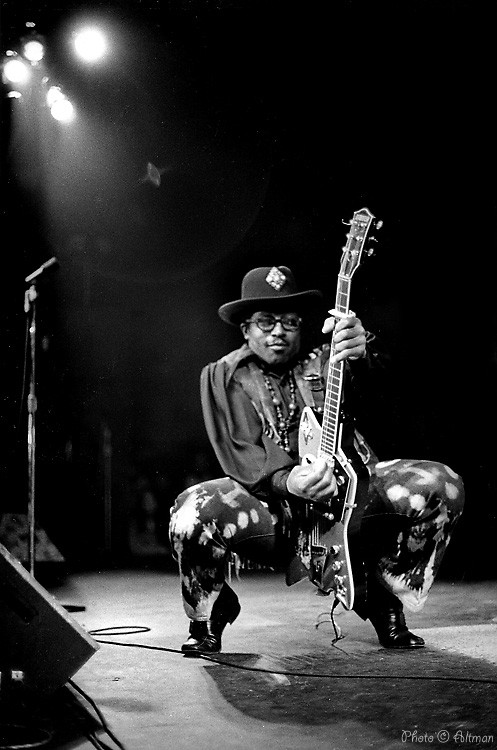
351, 258
334, 385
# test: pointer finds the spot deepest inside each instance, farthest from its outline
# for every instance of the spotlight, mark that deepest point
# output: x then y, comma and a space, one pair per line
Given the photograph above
16, 71
54, 94
33, 50
90, 44
62, 110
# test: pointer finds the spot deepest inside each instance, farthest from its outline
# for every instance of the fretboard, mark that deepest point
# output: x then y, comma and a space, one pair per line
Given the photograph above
331, 413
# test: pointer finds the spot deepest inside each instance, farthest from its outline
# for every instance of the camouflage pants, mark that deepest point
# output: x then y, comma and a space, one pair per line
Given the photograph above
411, 510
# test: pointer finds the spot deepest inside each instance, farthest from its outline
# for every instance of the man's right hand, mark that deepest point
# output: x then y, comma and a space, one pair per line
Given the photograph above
314, 481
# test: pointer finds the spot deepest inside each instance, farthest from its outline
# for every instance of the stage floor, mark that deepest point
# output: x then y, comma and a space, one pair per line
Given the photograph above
280, 683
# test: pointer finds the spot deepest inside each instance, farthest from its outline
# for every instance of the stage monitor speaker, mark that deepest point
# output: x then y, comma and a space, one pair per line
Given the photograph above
41, 645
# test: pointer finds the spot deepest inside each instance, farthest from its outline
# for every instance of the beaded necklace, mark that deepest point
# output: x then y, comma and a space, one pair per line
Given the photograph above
283, 422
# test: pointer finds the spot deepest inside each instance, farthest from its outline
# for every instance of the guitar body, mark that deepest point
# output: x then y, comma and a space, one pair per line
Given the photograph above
331, 568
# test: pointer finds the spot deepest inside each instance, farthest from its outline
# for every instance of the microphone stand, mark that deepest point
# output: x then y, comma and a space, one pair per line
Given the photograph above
30, 297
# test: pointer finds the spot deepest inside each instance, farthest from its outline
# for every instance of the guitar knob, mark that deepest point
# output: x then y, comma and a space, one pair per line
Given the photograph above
335, 549
336, 566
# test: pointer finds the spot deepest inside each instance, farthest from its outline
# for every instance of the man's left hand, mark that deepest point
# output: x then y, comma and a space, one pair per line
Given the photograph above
349, 338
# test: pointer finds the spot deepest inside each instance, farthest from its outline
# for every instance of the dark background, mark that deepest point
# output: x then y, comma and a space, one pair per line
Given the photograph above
272, 122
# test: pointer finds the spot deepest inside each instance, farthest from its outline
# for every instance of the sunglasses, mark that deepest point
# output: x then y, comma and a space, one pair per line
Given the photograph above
266, 323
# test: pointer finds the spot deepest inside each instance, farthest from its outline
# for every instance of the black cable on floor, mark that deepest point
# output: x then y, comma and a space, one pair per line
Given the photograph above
92, 737
142, 645
121, 630
321, 675
285, 673
96, 741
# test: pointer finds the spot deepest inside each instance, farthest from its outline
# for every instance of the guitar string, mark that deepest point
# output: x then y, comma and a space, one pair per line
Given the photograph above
328, 436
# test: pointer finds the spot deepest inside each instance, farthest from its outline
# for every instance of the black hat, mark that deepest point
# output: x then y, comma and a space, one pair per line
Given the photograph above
268, 288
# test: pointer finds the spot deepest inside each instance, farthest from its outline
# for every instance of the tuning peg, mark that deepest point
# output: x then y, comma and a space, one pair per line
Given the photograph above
370, 250
347, 223
378, 224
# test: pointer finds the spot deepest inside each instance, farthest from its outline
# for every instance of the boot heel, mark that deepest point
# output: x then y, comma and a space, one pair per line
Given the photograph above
226, 609
234, 613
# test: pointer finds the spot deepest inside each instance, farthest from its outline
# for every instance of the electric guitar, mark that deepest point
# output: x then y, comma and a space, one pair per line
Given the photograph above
327, 531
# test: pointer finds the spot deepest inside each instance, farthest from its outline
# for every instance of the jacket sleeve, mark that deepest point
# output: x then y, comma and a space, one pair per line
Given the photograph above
235, 431
369, 383
376, 360
363, 377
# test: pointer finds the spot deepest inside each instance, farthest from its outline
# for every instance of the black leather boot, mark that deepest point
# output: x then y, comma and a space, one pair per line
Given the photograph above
197, 632
387, 617
207, 638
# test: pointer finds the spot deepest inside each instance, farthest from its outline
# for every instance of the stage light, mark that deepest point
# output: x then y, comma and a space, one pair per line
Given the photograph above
90, 44
62, 110
33, 50
16, 71
54, 94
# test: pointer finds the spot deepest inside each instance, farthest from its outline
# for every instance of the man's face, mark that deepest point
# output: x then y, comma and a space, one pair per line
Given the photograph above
275, 346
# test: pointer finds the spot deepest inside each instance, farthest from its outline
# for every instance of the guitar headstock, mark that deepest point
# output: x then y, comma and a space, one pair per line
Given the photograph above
357, 239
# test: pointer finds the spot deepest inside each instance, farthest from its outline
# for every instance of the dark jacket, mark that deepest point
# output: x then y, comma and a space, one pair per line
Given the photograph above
240, 417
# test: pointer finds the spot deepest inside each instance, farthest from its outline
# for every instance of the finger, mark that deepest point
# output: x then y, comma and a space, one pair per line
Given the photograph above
343, 334
348, 340
323, 490
310, 482
348, 322
321, 465
353, 346
355, 353
328, 325
319, 480
324, 483
324, 495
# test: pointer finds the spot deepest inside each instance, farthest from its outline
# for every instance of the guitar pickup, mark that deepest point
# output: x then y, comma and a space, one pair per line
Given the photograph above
318, 551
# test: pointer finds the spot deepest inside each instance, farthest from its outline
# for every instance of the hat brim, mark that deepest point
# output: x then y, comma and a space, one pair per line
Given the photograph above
235, 312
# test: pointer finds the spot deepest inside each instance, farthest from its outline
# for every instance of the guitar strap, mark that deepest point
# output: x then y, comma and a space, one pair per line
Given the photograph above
309, 383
